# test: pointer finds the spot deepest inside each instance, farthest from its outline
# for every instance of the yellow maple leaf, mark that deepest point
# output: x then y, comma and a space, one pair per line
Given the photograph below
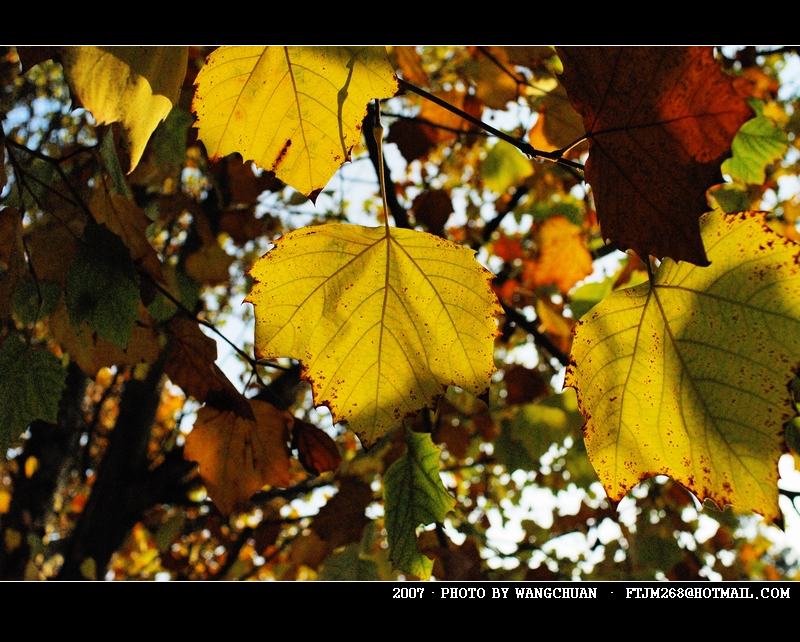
383, 319
135, 86
688, 378
295, 111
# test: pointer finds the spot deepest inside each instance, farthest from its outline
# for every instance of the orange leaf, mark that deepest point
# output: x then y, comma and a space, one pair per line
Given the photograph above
316, 450
238, 456
661, 121
563, 258
410, 65
508, 248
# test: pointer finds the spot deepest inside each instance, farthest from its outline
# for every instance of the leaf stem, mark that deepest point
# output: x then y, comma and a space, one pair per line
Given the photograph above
377, 133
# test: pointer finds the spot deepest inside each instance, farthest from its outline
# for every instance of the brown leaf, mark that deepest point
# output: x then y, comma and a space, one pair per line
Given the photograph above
530, 57
191, 364
523, 385
555, 324
661, 121
455, 438
123, 217
244, 185
209, 264
452, 562
496, 83
10, 236
411, 139
433, 113
242, 225
316, 450
563, 258
91, 352
432, 209
239, 456
508, 248
342, 520
12, 261
53, 247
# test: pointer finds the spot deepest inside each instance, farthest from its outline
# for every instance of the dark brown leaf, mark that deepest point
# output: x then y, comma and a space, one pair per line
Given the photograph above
316, 450
660, 122
432, 209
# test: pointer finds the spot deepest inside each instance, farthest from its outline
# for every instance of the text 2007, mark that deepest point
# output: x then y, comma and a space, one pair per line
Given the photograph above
407, 591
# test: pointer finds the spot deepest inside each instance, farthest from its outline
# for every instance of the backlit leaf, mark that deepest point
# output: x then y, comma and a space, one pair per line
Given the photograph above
296, 111
660, 121
559, 124
504, 167
237, 455
689, 378
414, 495
563, 258
382, 322
135, 86
757, 144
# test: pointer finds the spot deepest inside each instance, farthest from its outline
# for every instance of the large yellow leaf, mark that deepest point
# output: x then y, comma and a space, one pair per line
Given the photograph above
689, 378
135, 86
296, 111
382, 321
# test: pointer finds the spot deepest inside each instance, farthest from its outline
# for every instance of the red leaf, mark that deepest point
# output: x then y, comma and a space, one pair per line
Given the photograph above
660, 122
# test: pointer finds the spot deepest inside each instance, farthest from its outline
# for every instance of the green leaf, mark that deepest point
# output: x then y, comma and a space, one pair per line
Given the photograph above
414, 495
758, 143
169, 139
108, 154
730, 198
690, 377
28, 306
347, 565
535, 428
33, 381
589, 295
102, 286
504, 167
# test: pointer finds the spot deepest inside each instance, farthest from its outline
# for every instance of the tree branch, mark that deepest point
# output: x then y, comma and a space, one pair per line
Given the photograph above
516, 317
524, 147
